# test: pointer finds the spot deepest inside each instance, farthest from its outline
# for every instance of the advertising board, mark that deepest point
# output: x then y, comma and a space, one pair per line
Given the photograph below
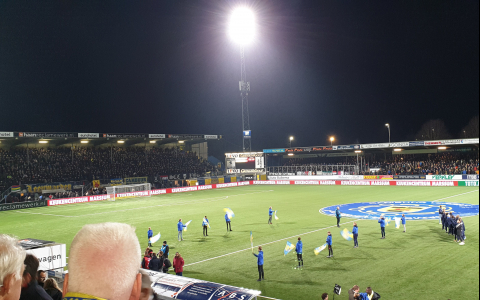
89, 135
22, 205
6, 134
50, 257
444, 177
409, 177
373, 146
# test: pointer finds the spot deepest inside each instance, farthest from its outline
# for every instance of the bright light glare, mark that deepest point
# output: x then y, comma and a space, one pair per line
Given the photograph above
242, 26
153, 142
43, 142
397, 150
121, 142
84, 142
358, 151
291, 138
290, 154
332, 139
442, 148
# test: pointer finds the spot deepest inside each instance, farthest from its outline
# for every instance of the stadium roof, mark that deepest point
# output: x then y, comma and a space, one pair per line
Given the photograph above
67, 138
409, 145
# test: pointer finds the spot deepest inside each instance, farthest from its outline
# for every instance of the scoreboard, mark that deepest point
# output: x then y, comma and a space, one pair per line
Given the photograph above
245, 162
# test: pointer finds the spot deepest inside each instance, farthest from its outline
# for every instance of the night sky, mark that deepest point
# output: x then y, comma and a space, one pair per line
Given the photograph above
317, 68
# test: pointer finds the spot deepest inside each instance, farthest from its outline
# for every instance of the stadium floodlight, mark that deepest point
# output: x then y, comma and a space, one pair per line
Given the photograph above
397, 149
181, 142
290, 154
43, 142
358, 151
121, 142
84, 142
153, 142
241, 28
291, 139
388, 126
442, 148
332, 138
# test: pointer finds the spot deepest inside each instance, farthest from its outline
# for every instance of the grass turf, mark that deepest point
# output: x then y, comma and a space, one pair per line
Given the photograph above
424, 263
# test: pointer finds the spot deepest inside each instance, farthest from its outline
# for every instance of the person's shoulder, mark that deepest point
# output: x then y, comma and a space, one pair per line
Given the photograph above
42, 293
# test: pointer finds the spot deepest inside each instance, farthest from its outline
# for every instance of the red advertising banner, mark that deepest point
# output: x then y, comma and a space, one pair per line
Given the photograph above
380, 182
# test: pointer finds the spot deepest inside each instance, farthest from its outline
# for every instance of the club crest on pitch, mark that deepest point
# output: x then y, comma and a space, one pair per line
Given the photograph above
414, 210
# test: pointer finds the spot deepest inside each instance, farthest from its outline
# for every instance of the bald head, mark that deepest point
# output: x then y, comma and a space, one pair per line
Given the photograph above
103, 261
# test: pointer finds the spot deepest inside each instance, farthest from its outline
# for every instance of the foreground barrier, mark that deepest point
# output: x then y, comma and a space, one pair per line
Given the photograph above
473, 183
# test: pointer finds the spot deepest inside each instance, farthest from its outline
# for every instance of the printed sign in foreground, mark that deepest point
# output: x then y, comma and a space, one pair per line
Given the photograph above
184, 288
413, 210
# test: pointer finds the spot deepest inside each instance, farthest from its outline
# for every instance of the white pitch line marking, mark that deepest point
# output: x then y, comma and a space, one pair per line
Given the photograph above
250, 248
268, 297
31, 213
455, 195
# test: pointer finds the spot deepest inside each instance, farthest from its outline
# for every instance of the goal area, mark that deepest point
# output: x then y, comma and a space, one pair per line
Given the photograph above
129, 191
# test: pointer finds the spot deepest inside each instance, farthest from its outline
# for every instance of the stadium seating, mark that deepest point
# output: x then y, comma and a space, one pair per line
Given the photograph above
59, 165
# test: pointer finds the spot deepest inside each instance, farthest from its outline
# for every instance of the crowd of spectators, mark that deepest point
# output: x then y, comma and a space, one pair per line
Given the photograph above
45, 165
438, 164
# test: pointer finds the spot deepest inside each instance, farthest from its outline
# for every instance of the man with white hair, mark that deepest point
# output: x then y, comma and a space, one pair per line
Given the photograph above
11, 268
103, 264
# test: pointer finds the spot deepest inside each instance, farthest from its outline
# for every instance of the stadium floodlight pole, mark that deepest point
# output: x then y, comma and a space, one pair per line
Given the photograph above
388, 126
331, 140
242, 31
291, 139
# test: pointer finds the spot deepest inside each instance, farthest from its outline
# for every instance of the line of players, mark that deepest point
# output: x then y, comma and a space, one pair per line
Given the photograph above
453, 225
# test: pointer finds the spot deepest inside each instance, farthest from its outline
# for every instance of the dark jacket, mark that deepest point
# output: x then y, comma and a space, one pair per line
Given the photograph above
167, 264
154, 264
55, 294
34, 292
460, 229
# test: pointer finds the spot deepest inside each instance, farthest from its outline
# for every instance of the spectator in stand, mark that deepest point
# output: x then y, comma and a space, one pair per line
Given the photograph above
113, 276
178, 264
57, 165
12, 256
41, 277
30, 288
52, 289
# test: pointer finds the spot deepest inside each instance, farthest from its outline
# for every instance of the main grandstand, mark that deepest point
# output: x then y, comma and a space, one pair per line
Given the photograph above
74, 164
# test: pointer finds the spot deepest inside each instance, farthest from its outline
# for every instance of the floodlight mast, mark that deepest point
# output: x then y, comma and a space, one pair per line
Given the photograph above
242, 32
244, 89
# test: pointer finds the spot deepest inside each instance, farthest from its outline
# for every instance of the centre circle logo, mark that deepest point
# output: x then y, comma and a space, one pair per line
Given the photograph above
413, 210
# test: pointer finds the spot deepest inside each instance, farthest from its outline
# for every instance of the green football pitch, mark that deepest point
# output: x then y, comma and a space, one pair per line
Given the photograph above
424, 263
